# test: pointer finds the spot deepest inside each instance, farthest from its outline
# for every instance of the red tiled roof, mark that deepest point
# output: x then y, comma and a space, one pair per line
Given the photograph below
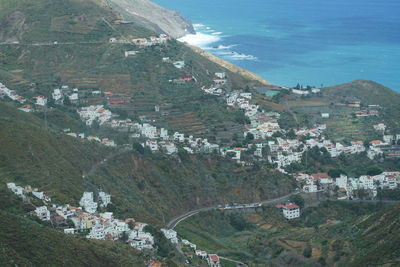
289, 206
213, 257
317, 176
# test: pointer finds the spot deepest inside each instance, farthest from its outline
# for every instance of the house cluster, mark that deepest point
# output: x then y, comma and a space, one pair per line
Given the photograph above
103, 141
23, 191
59, 95
212, 259
86, 221
94, 113
316, 131
220, 79
388, 147
289, 210
212, 91
12, 94
305, 91
184, 79
346, 185
142, 42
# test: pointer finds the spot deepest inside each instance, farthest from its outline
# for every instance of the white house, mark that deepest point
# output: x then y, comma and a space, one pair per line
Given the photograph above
104, 199
130, 53
41, 100
18, 190
213, 260
179, 64
325, 115
57, 96
171, 235
220, 75
300, 92
88, 203
310, 188
290, 210
341, 181
43, 213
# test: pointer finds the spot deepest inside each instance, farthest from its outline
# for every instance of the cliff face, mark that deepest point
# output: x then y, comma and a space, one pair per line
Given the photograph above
154, 17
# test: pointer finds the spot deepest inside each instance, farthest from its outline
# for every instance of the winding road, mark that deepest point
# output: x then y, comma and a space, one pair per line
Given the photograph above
174, 222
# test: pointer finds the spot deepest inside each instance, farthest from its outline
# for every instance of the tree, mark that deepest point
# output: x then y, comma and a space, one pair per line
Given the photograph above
291, 134
138, 147
374, 170
250, 137
298, 200
307, 252
335, 173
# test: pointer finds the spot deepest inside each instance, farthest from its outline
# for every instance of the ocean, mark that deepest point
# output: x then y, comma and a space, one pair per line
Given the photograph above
311, 42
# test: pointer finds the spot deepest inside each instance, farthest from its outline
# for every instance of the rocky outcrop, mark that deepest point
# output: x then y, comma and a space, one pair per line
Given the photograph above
153, 17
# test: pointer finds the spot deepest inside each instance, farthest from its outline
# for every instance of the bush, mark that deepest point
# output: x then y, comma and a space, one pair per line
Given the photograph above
307, 252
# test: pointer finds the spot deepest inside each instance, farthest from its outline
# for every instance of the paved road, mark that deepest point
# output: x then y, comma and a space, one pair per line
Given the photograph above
174, 222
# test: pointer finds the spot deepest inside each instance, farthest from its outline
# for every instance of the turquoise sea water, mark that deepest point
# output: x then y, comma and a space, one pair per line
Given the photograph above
312, 42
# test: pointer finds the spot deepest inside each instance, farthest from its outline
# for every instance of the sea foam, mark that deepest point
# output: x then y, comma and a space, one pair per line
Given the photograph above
199, 39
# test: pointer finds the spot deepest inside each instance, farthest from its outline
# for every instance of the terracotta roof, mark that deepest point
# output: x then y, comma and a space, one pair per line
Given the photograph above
318, 176
357, 142
214, 257
289, 206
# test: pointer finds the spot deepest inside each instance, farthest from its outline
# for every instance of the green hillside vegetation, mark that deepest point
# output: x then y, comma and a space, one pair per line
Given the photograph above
150, 187
342, 124
360, 235
30, 154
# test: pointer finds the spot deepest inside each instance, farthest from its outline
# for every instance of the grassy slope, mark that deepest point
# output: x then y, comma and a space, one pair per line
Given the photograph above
342, 123
160, 187
33, 155
361, 235
370, 93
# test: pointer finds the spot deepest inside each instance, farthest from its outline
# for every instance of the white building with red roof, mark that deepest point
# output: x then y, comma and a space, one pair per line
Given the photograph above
290, 210
213, 260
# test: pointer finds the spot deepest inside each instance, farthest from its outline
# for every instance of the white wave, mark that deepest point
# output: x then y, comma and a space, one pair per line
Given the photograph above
223, 47
238, 56
232, 55
199, 39
198, 25
216, 33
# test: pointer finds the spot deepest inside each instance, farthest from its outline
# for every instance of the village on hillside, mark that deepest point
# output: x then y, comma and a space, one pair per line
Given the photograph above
86, 220
268, 142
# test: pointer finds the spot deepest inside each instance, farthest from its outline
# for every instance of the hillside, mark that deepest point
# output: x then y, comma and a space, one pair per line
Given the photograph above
370, 93
360, 235
343, 124
154, 17
67, 43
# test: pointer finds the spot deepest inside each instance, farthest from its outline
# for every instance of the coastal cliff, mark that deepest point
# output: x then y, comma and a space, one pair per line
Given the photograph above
153, 17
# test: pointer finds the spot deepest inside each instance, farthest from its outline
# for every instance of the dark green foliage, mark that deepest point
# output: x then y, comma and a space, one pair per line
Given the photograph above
138, 147
298, 200
239, 223
374, 170
335, 173
307, 252
161, 243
